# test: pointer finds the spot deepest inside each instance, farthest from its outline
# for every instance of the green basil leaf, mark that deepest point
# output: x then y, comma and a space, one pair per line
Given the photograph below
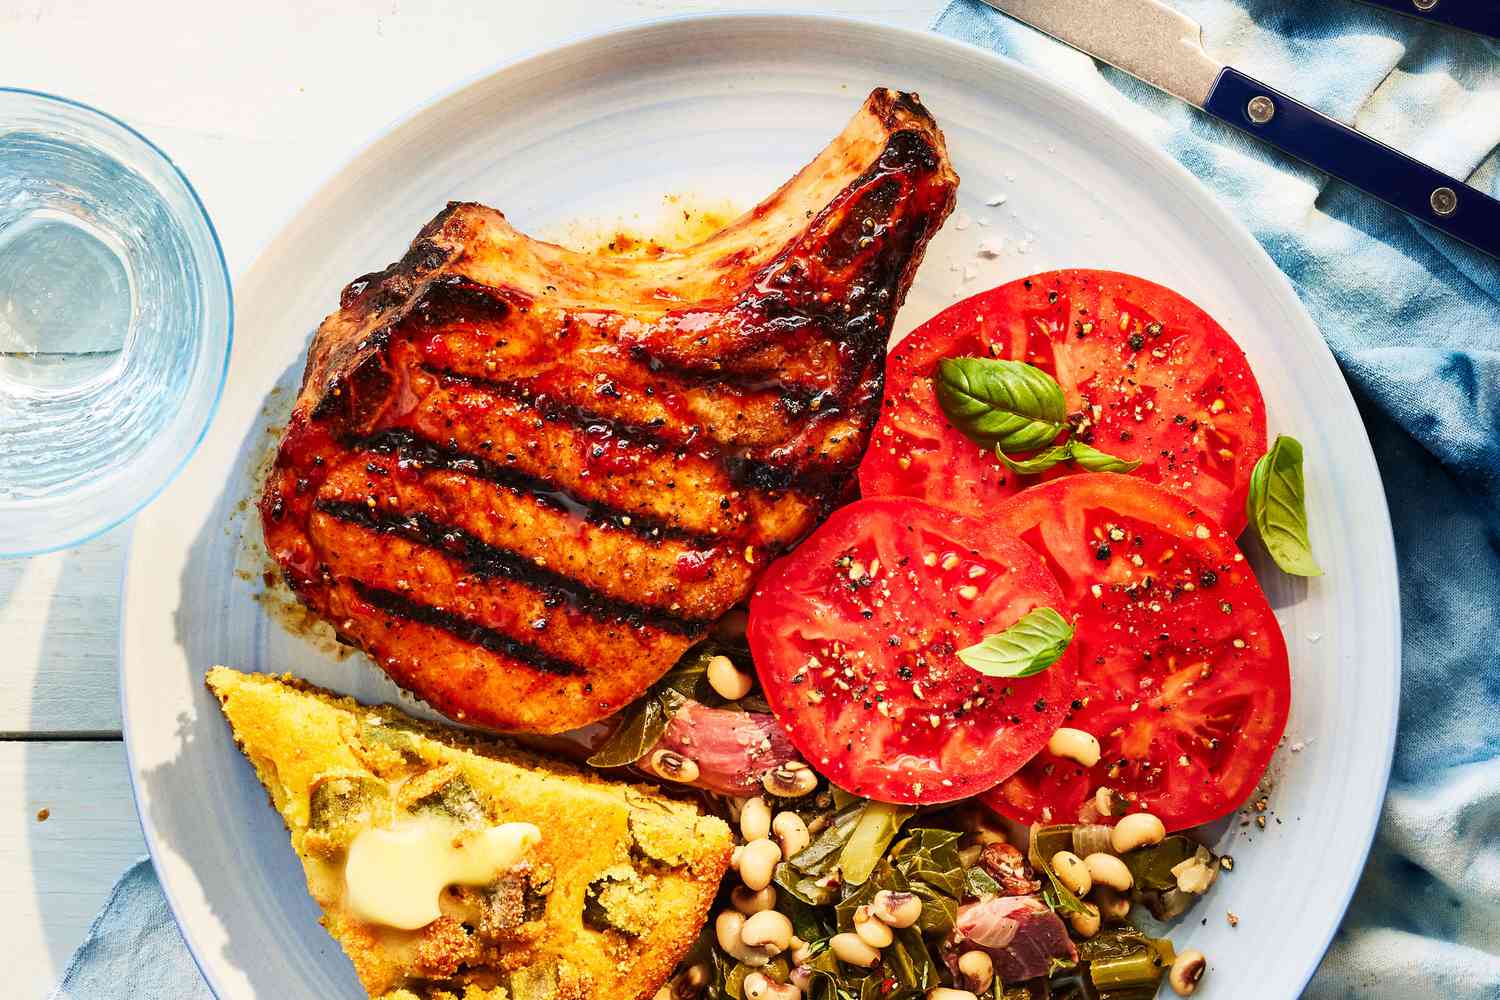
1277, 506
1040, 462
1028, 647
1086, 457
1091, 459
1000, 403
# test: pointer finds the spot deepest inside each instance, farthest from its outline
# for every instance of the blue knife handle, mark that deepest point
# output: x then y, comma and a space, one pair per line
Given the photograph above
1480, 16
1442, 202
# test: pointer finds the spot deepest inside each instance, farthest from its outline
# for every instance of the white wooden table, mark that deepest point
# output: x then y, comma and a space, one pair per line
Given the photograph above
258, 103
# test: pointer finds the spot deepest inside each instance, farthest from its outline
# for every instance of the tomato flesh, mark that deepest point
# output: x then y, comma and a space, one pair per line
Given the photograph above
1182, 666
855, 636
1147, 376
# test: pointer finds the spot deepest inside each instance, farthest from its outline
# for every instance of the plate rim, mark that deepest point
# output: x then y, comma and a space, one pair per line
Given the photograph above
1235, 231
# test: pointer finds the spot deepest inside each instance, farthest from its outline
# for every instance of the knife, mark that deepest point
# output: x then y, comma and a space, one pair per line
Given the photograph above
1479, 16
1162, 47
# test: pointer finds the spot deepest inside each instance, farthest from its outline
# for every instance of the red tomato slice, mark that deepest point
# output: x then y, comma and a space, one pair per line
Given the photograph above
1147, 375
1182, 666
855, 636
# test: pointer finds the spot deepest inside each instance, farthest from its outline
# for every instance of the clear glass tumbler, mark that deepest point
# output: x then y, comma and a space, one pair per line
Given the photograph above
115, 321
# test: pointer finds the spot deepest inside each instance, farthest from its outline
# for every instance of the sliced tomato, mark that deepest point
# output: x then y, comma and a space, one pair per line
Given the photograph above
1182, 666
1147, 376
855, 636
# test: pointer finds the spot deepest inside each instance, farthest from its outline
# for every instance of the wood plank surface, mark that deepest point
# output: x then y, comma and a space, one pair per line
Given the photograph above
55, 875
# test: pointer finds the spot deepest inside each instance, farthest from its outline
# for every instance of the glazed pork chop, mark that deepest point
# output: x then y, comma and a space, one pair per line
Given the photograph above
525, 480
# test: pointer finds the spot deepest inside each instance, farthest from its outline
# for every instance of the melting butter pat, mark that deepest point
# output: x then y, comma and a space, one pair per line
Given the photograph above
395, 875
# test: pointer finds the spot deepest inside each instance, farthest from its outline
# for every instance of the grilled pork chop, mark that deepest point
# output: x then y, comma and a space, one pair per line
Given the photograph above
525, 480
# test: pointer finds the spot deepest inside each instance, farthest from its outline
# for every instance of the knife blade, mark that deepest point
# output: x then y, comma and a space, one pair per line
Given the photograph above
1149, 40
1164, 48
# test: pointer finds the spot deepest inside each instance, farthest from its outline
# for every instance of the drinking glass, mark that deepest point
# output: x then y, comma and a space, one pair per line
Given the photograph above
115, 321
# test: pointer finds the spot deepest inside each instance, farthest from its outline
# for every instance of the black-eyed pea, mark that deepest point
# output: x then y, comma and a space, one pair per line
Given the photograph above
1135, 831
871, 929
896, 909
976, 970
750, 902
1114, 906
694, 979
1072, 872
791, 833
1074, 744
790, 780
851, 949
755, 819
728, 681
767, 930
1186, 971
754, 986
673, 766
1085, 924
758, 862
1106, 869
757, 986
728, 926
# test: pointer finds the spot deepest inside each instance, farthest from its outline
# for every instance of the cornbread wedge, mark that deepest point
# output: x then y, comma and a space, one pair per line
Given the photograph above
451, 867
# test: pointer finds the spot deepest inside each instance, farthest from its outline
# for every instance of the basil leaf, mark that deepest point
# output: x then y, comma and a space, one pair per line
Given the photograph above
1091, 459
1001, 403
1277, 506
1086, 457
1028, 647
1040, 462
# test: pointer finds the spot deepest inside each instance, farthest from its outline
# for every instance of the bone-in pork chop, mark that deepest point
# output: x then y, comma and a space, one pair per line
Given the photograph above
525, 480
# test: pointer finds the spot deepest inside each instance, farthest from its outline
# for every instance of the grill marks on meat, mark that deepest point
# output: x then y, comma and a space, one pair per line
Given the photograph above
526, 480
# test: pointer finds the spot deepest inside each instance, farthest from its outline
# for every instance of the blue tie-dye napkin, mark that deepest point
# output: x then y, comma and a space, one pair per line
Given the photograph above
134, 950
1414, 320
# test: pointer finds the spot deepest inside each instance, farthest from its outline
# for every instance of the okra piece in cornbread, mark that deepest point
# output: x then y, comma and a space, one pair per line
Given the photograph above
454, 867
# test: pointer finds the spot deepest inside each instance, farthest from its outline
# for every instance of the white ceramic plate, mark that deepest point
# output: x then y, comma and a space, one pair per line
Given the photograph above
729, 107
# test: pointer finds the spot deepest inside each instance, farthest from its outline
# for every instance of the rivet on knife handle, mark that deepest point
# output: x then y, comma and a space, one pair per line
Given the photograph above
1479, 16
1443, 202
